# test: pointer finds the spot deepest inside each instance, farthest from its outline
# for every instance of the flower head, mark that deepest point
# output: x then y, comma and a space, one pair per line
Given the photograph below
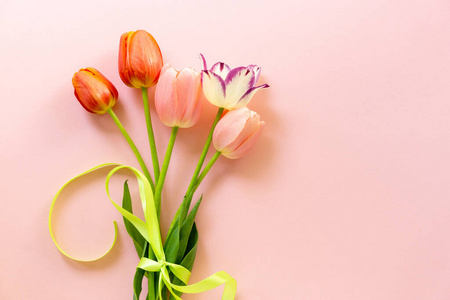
178, 97
230, 88
94, 92
140, 59
237, 132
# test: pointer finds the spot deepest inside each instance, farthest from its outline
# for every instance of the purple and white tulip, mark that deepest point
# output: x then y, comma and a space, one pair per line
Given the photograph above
230, 88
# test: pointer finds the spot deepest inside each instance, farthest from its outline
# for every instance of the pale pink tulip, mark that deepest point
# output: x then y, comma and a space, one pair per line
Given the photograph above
178, 97
236, 132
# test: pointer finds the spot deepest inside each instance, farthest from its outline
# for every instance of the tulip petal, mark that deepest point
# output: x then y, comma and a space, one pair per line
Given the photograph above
213, 88
188, 85
204, 62
255, 70
238, 82
248, 95
164, 68
229, 127
252, 125
246, 145
165, 97
195, 116
220, 69
105, 81
87, 106
144, 59
123, 68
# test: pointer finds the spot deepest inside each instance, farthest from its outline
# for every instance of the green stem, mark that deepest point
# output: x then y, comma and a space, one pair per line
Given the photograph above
152, 287
202, 157
206, 169
151, 276
133, 147
184, 207
165, 166
182, 210
151, 136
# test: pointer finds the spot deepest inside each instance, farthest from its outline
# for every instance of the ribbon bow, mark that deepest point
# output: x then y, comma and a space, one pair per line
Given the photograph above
151, 232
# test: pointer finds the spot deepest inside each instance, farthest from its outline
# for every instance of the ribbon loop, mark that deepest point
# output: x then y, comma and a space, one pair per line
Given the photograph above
151, 232
181, 272
149, 265
52, 206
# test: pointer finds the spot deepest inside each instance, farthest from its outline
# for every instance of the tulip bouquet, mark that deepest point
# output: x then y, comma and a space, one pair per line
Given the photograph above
178, 96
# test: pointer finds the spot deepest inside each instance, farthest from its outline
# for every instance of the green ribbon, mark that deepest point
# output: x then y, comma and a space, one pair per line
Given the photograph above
151, 232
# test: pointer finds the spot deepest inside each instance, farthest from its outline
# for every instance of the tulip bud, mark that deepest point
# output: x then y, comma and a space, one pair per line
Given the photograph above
236, 132
178, 97
140, 59
94, 92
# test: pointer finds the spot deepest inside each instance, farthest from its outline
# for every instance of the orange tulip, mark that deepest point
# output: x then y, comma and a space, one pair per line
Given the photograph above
237, 132
140, 59
94, 92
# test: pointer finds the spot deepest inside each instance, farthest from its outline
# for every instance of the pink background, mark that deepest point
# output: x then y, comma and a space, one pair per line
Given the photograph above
345, 196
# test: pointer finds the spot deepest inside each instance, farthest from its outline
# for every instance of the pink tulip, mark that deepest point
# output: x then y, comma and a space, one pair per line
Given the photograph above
178, 97
94, 92
236, 132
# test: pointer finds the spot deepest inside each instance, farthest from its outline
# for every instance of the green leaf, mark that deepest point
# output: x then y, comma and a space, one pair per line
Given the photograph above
184, 208
185, 231
138, 276
184, 240
138, 239
171, 247
188, 260
191, 250
178, 214
137, 283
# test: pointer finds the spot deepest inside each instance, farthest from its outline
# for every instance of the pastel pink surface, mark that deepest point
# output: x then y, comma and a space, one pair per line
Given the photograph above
344, 196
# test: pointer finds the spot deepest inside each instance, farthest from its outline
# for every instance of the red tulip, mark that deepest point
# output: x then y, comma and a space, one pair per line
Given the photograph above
94, 92
237, 132
140, 59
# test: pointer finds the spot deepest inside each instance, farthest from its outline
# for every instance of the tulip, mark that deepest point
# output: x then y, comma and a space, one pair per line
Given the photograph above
94, 92
178, 97
237, 132
230, 88
140, 63
140, 59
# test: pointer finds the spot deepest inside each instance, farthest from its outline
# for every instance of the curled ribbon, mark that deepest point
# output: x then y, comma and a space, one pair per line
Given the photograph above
151, 232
